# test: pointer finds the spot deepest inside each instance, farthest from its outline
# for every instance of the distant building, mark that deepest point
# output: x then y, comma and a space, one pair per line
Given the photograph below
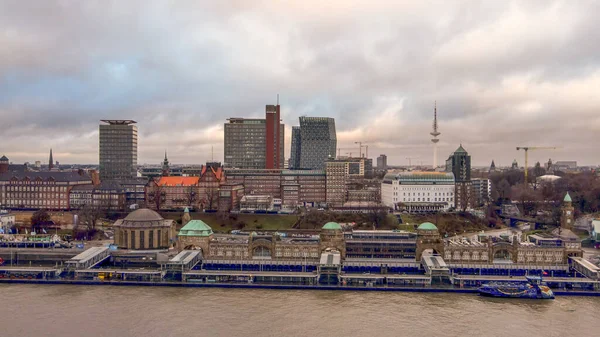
256, 203
4, 164
419, 192
172, 193
106, 196
482, 191
118, 149
253, 143
459, 163
135, 191
318, 142
492, 167
274, 133
166, 171
382, 162
296, 148
293, 187
337, 177
562, 165
36, 190
211, 178
515, 165
7, 221
230, 196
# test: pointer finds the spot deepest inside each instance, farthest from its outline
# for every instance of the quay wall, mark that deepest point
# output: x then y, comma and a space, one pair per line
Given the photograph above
274, 286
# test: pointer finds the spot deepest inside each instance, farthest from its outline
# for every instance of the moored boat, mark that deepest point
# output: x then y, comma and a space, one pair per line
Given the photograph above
534, 288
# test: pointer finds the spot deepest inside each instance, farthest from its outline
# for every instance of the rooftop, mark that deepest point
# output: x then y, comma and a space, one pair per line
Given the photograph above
427, 226
178, 181
68, 176
420, 176
118, 121
143, 214
332, 226
196, 228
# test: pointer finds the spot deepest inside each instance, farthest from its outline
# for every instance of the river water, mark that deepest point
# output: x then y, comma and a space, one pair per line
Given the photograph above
94, 311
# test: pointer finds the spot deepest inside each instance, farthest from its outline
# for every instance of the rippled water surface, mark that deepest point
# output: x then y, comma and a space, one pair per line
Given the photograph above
93, 311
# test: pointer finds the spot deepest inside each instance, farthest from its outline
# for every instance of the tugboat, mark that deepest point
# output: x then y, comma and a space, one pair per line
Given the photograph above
533, 289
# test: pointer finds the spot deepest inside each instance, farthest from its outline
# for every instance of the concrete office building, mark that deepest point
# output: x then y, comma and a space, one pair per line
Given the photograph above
250, 143
382, 162
118, 149
418, 192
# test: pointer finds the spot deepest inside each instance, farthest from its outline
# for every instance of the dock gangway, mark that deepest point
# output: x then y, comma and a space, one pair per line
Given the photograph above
184, 261
88, 258
585, 267
434, 265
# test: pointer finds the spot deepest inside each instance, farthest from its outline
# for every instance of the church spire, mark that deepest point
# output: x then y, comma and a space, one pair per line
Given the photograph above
51, 161
166, 171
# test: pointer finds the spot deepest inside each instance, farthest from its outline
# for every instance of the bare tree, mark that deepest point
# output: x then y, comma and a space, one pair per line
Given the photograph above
90, 214
156, 195
192, 196
211, 197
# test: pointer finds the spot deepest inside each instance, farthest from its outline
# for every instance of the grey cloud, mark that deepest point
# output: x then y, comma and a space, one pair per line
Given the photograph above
503, 74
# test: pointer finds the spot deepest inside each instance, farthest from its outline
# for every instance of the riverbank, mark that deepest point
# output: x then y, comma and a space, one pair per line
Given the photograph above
275, 286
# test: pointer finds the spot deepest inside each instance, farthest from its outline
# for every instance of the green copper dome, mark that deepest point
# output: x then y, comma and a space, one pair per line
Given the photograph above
196, 228
187, 210
427, 226
567, 198
332, 226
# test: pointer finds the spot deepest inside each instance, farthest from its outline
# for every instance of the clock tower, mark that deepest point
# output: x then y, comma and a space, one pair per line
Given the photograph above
567, 217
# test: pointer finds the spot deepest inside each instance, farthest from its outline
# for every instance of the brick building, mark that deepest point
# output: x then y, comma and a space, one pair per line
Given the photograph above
36, 190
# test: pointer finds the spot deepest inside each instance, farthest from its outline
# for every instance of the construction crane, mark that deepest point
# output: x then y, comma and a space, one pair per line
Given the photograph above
360, 147
410, 160
339, 149
532, 148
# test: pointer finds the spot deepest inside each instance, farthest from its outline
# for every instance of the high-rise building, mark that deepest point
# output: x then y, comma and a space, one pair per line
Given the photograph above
459, 163
274, 156
382, 162
245, 143
118, 149
336, 178
250, 143
296, 148
318, 142
482, 191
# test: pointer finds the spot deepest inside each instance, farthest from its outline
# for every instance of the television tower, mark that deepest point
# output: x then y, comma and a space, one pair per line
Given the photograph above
435, 134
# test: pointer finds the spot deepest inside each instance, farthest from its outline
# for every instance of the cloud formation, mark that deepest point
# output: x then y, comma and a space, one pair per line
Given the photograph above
503, 73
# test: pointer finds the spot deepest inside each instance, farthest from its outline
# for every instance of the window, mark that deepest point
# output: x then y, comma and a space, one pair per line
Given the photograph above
132, 246
151, 239
159, 241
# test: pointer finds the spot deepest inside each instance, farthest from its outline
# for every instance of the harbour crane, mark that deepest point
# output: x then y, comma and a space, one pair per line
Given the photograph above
532, 148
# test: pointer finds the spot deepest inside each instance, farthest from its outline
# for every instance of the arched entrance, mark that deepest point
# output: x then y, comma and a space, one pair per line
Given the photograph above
261, 252
503, 256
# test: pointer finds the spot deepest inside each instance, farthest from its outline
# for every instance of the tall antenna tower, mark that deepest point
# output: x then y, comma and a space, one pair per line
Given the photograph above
435, 133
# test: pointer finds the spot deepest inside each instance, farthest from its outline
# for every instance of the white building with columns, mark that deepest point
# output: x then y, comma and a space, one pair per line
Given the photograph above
418, 192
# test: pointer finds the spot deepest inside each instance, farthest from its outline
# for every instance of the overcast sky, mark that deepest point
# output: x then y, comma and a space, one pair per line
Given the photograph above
504, 74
